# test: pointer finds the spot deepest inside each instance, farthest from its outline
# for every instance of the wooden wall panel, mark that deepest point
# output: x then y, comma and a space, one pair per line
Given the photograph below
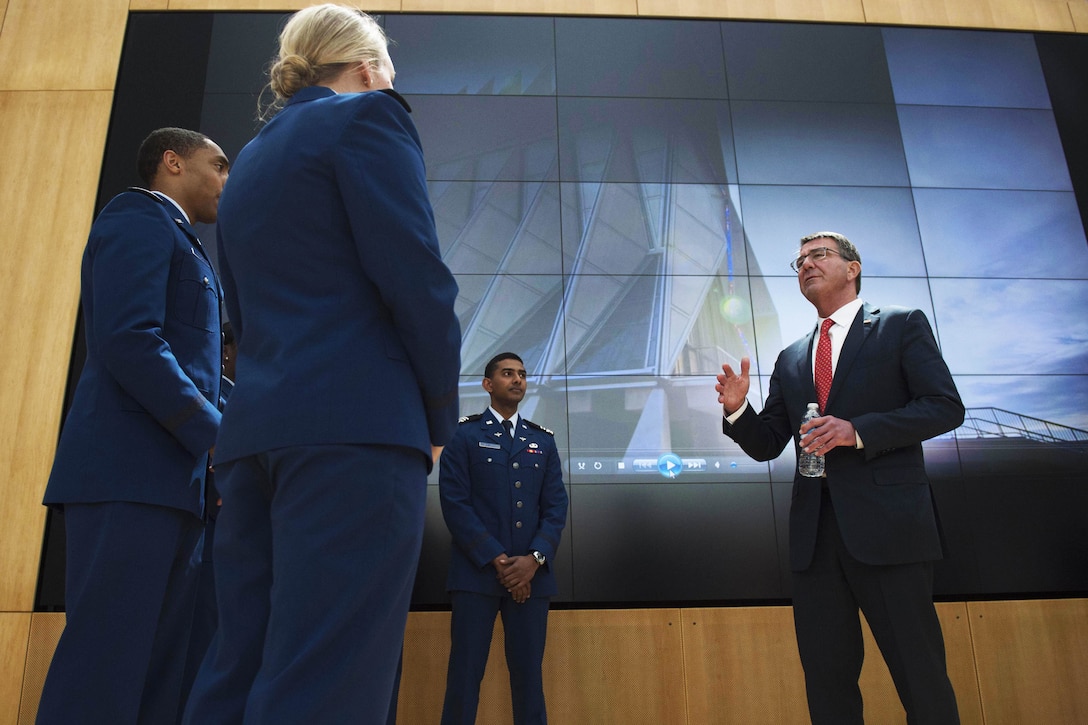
1006, 14
45, 630
158, 5
741, 666
601, 666
423, 677
1032, 660
614, 667
960, 655
881, 699
1046, 15
55, 45
1078, 9
14, 630
542, 7
50, 156
830, 11
373, 6
713, 665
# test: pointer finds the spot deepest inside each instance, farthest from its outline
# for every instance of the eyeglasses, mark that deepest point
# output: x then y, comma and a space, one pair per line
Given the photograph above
818, 254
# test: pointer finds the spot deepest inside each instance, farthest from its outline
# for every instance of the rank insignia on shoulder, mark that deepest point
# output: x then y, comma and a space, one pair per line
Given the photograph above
147, 192
539, 427
470, 418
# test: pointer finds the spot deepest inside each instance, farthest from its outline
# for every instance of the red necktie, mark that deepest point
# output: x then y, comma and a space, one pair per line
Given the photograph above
823, 364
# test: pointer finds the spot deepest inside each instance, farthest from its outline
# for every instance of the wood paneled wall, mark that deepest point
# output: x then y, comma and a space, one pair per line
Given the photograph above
1010, 663
1053, 15
60, 60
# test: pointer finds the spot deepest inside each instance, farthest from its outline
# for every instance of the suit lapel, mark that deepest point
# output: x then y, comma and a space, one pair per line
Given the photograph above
172, 211
198, 248
188, 230
521, 437
863, 324
492, 428
803, 365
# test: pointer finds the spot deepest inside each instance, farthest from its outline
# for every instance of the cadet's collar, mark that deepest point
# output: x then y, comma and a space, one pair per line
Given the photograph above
515, 418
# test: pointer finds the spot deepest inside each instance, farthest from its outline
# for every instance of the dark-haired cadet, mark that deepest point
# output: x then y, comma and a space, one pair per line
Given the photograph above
129, 472
205, 612
502, 494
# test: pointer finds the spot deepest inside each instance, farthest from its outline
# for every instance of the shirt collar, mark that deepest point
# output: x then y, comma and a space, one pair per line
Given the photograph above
513, 418
165, 197
845, 314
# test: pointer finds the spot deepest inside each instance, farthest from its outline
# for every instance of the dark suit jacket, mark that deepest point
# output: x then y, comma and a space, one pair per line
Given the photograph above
496, 501
893, 385
145, 410
341, 305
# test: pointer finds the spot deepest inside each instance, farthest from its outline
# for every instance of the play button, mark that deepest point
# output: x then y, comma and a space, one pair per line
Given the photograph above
670, 465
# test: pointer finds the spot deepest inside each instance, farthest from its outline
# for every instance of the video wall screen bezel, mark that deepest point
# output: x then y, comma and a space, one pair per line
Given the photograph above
619, 199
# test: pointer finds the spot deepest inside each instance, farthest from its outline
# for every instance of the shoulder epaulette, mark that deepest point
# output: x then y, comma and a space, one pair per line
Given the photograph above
531, 424
470, 418
145, 192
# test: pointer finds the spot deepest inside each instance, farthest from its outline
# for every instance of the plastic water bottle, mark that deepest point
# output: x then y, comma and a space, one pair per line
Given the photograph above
810, 464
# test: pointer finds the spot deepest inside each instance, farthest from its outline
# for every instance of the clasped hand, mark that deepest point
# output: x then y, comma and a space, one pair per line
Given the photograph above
516, 573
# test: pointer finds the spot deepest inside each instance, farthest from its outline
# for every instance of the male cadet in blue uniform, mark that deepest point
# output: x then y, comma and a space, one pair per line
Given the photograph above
205, 613
130, 468
501, 486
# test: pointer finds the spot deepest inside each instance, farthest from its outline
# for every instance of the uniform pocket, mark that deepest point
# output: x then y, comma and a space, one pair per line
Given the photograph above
196, 299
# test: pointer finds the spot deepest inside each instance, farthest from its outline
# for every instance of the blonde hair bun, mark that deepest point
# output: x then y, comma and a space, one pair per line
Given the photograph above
291, 73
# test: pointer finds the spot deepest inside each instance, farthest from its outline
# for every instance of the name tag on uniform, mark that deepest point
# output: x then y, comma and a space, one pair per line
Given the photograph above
486, 444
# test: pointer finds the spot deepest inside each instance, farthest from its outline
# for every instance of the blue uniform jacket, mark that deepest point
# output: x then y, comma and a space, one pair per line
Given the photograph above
341, 305
494, 502
145, 409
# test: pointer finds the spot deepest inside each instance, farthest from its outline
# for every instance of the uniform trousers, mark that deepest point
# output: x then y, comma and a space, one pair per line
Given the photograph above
205, 615
315, 557
525, 629
130, 587
897, 601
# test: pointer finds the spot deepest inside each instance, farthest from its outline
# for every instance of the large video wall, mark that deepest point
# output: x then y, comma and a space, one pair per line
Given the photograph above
619, 200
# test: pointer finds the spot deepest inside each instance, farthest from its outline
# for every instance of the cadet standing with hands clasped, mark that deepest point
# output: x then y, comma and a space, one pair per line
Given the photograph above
502, 494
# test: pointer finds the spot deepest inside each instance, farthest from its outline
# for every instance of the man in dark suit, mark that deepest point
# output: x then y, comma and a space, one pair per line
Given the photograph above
865, 535
130, 467
502, 494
